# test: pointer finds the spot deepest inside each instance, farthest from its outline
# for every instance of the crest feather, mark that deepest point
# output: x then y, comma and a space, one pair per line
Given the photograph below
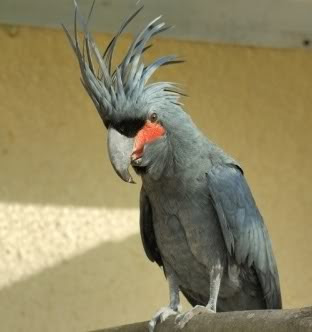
109, 90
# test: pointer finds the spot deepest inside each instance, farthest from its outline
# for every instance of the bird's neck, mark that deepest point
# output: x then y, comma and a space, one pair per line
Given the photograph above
183, 151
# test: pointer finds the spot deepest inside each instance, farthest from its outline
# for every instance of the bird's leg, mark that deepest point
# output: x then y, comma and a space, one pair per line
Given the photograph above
174, 293
174, 306
215, 281
211, 307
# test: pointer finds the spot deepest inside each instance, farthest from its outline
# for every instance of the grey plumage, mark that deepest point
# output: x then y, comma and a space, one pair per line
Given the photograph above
198, 218
212, 208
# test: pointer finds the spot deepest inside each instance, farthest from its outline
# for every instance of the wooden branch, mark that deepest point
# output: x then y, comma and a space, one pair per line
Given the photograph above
289, 320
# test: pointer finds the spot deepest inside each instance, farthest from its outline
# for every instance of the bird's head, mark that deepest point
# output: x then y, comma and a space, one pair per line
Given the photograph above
139, 116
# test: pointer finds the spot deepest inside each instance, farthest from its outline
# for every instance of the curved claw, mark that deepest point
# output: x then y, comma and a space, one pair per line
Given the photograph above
161, 315
182, 319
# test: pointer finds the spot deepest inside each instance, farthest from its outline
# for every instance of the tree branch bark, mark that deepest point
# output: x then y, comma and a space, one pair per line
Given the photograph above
288, 320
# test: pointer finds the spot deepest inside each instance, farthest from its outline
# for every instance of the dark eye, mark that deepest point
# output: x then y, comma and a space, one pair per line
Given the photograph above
153, 117
122, 129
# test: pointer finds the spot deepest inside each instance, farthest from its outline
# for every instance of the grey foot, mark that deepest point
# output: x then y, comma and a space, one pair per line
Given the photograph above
183, 319
161, 315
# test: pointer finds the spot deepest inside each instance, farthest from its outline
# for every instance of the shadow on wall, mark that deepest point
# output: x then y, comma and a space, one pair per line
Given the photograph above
97, 289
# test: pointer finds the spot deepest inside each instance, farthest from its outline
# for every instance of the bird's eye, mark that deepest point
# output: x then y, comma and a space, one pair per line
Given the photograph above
153, 117
122, 129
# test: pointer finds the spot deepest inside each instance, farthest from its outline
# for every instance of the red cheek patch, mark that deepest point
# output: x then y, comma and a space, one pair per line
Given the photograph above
149, 133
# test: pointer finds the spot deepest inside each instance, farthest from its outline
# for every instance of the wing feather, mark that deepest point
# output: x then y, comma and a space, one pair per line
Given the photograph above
244, 232
147, 230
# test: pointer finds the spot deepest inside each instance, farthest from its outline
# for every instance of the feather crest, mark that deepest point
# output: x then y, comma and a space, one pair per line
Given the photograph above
110, 91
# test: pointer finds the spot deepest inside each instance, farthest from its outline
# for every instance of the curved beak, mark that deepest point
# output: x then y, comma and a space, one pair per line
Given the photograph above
119, 149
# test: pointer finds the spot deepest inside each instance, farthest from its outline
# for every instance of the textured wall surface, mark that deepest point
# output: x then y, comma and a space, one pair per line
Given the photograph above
70, 252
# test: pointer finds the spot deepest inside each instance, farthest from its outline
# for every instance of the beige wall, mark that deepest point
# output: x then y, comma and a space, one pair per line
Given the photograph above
71, 257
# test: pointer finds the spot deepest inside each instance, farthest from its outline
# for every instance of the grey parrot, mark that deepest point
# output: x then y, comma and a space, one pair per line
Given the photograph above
198, 218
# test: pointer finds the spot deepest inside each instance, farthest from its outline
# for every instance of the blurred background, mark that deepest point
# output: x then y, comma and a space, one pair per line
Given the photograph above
71, 257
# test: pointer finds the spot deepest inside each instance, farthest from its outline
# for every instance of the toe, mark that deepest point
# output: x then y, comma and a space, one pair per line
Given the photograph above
160, 316
178, 318
198, 309
165, 314
151, 326
183, 319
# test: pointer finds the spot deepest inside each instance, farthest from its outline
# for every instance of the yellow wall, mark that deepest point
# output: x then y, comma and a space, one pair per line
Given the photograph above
70, 253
